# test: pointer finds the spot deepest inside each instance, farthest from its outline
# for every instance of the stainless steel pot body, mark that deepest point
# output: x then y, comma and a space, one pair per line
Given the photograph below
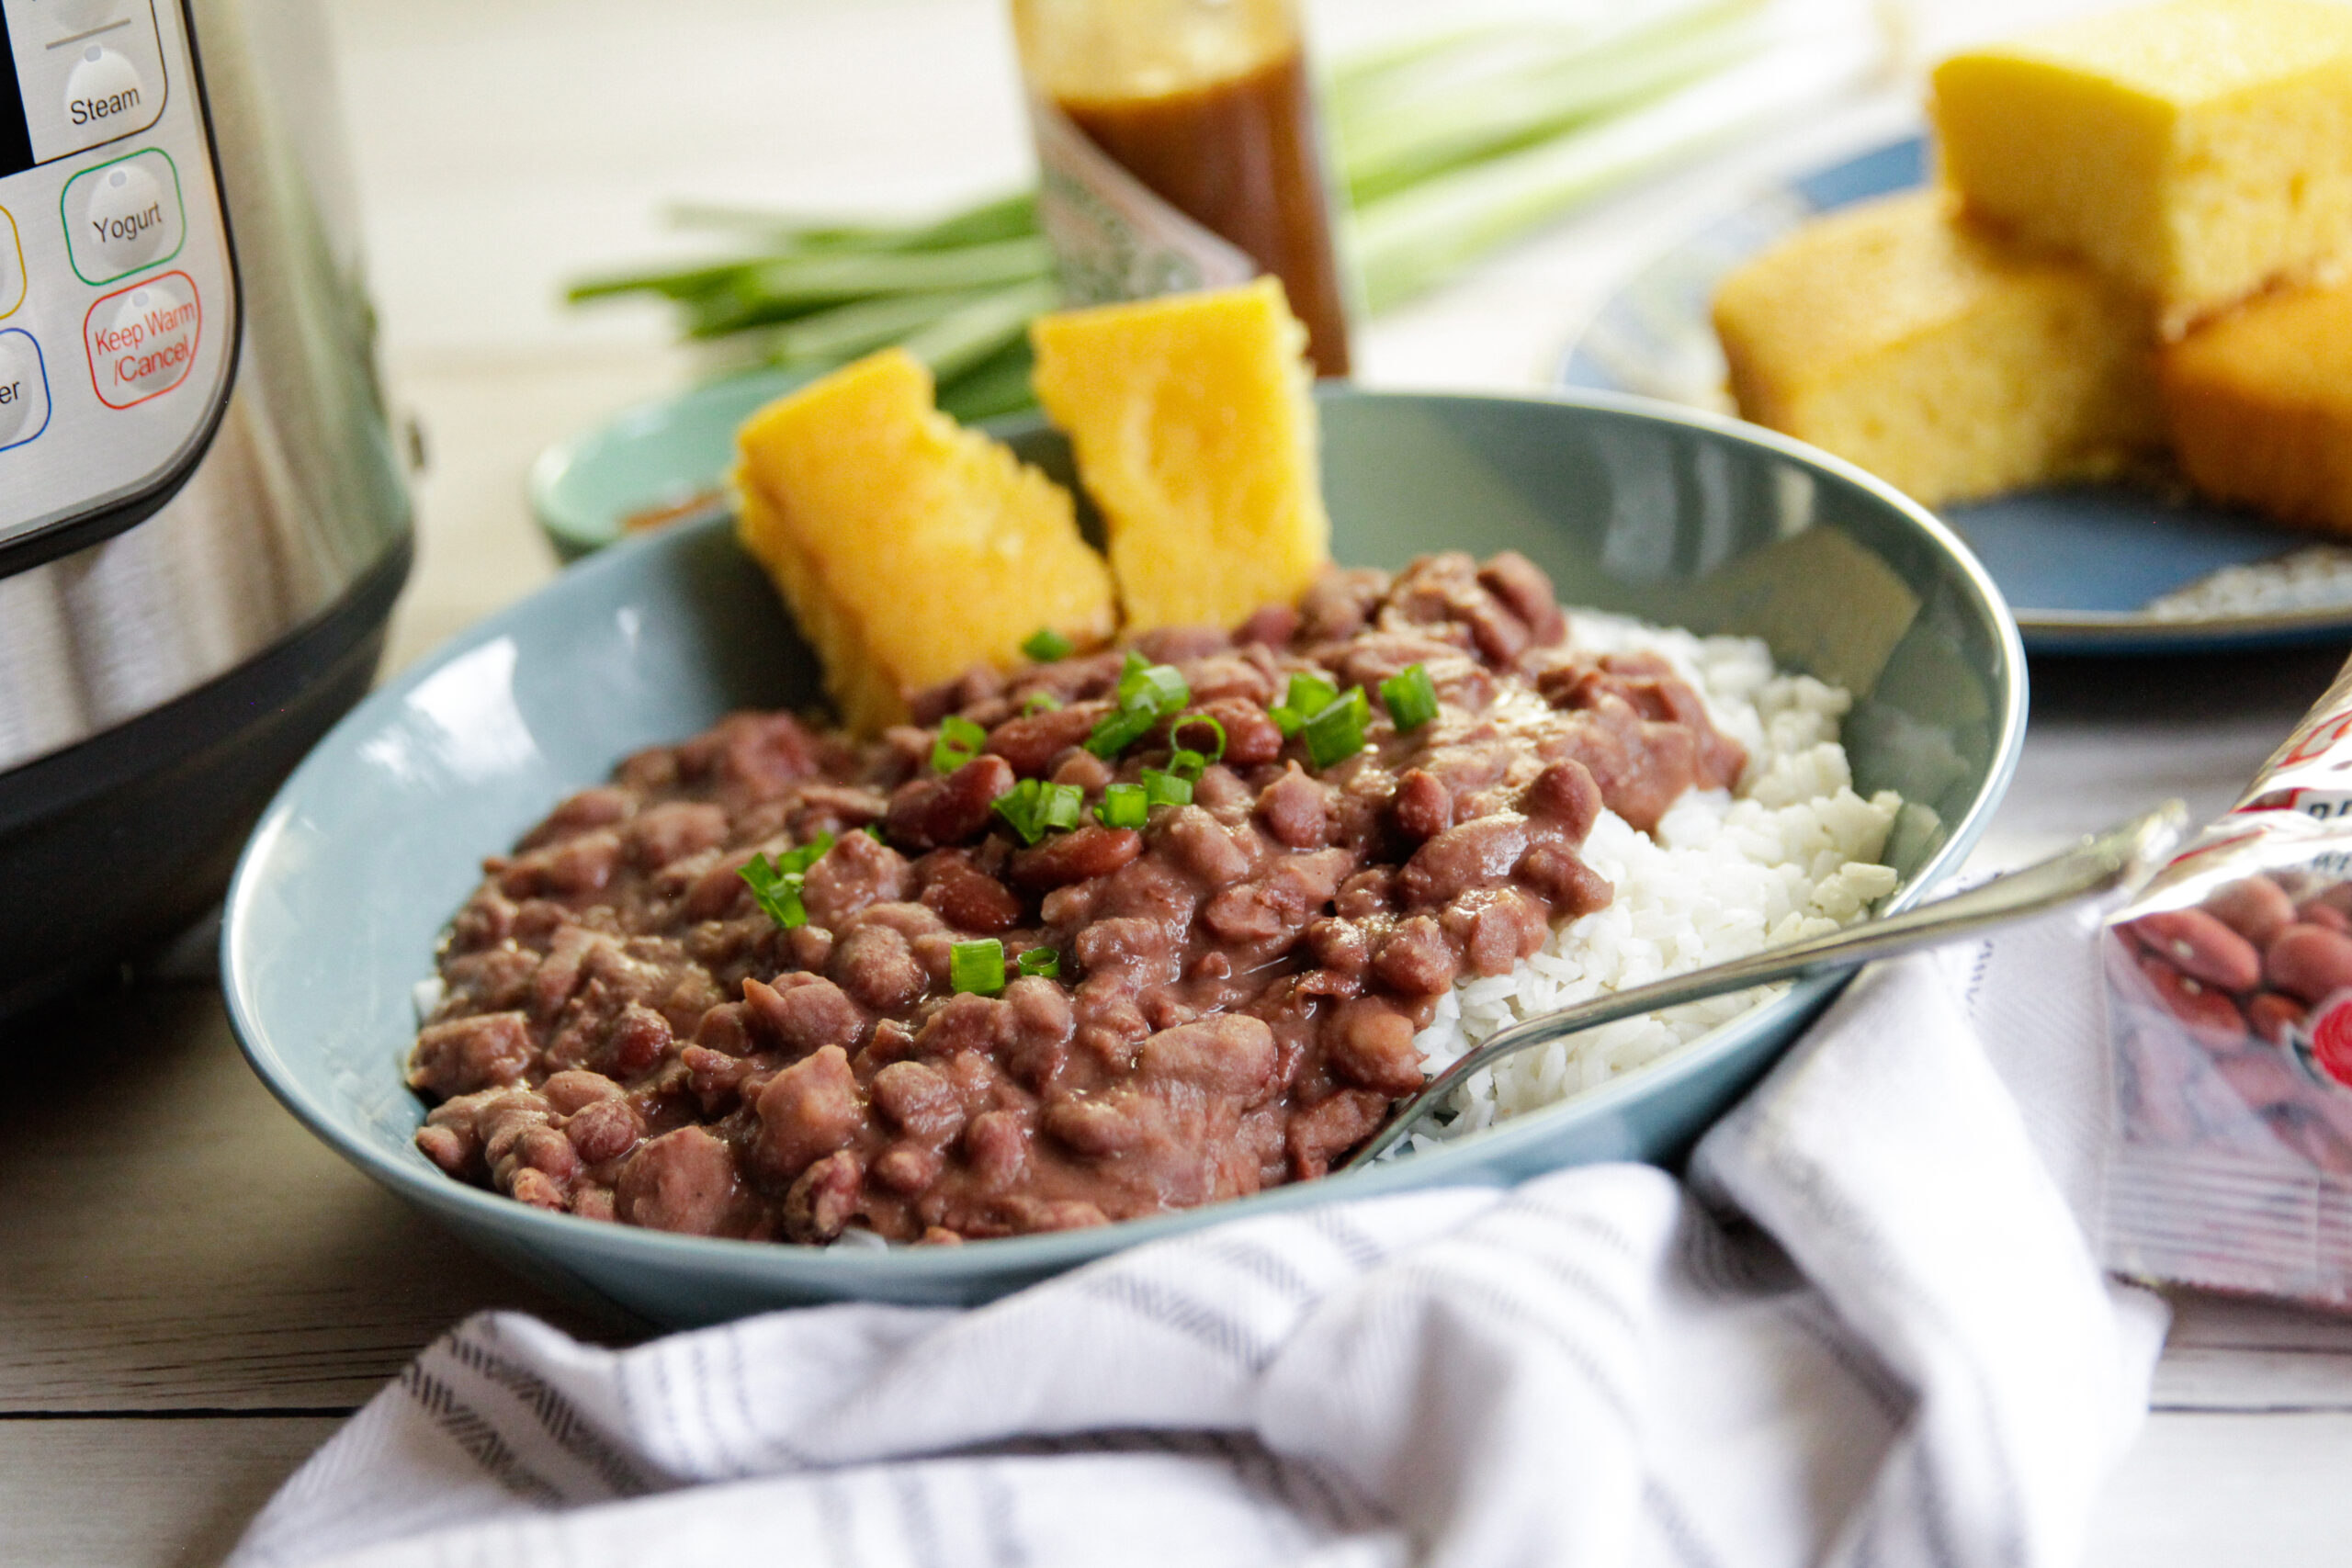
155, 687
299, 497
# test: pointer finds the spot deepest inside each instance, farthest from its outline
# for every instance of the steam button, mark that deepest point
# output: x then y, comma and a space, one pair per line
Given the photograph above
24, 389
105, 91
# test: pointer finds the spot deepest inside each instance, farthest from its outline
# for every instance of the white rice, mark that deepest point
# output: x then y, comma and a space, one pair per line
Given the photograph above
1791, 852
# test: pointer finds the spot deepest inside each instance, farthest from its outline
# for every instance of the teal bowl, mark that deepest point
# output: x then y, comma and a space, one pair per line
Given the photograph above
1631, 506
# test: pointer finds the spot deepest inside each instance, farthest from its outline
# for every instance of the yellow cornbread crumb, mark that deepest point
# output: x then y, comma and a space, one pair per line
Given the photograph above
2196, 150
2260, 406
1946, 361
1190, 419
909, 548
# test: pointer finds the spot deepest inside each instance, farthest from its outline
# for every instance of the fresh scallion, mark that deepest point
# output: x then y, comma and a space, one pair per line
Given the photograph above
1176, 732
1040, 962
1336, 733
1188, 766
776, 881
1123, 805
1039, 702
1020, 806
1161, 787
1045, 645
1157, 687
1115, 732
1061, 806
1411, 697
977, 966
959, 740
1309, 694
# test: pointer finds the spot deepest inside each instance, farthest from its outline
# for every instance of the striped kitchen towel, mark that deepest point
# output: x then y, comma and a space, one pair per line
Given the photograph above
1869, 1332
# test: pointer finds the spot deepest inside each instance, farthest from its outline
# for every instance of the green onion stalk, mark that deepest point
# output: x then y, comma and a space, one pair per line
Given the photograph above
1445, 148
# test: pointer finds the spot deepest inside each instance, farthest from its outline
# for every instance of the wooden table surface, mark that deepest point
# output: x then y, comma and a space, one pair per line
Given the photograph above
195, 1291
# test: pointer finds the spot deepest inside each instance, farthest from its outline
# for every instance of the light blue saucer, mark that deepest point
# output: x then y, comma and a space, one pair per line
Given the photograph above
2078, 564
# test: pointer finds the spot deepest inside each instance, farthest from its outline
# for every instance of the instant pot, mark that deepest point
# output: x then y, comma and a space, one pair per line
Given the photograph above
202, 523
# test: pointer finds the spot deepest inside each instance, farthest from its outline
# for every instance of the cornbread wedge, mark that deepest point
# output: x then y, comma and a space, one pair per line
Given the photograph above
908, 548
1194, 435
2260, 406
1946, 361
2196, 151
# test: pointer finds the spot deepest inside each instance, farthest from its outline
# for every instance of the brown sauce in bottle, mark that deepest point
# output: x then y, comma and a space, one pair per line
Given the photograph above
1239, 158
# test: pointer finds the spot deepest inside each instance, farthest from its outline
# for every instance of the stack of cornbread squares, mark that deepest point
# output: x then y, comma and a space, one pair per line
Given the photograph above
2138, 241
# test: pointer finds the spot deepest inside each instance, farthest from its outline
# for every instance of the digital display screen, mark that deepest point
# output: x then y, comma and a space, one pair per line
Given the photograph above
16, 141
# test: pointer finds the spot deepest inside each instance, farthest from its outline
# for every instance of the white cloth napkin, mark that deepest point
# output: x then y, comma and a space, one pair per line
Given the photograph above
1598, 1367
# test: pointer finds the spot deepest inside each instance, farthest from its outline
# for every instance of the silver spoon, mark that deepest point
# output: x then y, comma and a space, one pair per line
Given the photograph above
2122, 856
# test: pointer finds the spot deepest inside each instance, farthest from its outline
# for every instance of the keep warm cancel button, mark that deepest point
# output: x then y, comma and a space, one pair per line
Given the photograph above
142, 340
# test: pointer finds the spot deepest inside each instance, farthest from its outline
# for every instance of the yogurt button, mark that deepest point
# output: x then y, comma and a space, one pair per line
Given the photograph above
105, 90
24, 396
128, 217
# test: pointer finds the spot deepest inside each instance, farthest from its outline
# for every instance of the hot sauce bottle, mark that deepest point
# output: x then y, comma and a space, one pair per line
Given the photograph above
1179, 148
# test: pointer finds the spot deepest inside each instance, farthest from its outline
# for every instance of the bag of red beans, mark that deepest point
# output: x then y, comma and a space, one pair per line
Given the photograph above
2229, 983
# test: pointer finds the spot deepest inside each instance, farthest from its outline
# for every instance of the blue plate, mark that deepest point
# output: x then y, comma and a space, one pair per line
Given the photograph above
2078, 563
1655, 510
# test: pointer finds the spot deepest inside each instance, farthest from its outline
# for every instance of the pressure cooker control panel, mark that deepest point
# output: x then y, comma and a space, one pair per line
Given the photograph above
118, 295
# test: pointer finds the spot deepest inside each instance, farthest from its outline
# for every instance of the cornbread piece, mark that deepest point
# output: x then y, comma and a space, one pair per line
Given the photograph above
1194, 435
1946, 361
909, 548
2197, 151
2260, 406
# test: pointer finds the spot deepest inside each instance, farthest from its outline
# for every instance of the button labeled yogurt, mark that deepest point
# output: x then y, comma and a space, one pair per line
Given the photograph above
142, 340
123, 216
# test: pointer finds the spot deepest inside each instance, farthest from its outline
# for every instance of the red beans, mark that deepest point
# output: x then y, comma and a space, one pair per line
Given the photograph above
2210, 1015
932, 813
2256, 909
2309, 961
2200, 945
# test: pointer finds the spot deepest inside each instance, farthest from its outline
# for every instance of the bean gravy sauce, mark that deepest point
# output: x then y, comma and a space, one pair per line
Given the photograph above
625, 1035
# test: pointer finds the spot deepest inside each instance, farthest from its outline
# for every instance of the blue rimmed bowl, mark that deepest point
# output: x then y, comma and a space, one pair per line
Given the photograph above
1632, 506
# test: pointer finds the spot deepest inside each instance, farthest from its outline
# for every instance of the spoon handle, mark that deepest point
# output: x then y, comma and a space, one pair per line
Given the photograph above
2124, 854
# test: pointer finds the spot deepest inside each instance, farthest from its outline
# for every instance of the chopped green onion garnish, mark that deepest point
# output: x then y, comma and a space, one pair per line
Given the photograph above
1154, 687
1176, 732
1163, 788
1411, 697
977, 966
1337, 732
776, 881
1286, 719
1061, 806
1308, 695
777, 895
875, 832
1039, 702
1042, 961
1118, 732
959, 741
1019, 807
1123, 805
1045, 645
1188, 766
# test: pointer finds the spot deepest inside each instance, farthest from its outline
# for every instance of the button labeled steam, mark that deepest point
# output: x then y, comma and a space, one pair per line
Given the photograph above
24, 389
142, 340
123, 216
104, 89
